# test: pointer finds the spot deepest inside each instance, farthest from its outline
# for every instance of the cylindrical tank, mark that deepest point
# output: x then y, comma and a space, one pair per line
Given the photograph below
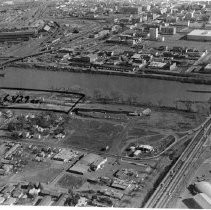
203, 187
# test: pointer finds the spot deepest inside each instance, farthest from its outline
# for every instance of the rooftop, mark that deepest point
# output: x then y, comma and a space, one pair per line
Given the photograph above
199, 32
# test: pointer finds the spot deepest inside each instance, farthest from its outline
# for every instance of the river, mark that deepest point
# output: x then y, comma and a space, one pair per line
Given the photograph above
146, 91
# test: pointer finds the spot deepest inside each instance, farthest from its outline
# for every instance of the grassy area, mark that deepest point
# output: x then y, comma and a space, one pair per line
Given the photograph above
91, 134
45, 176
139, 132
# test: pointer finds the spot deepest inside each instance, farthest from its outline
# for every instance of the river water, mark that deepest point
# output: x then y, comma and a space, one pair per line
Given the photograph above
134, 89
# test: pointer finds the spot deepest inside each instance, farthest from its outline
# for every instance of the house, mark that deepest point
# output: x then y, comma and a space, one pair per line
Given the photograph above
10, 201
137, 152
2, 199
17, 193
111, 193
2, 172
146, 148
61, 201
98, 163
82, 202
46, 201
157, 65
34, 191
120, 184
8, 189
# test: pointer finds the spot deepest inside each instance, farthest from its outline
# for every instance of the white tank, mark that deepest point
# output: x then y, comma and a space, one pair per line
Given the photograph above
203, 187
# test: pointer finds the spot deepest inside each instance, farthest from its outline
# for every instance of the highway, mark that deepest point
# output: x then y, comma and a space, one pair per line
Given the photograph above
163, 193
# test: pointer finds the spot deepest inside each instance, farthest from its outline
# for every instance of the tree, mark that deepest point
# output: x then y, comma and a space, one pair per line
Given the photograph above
73, 198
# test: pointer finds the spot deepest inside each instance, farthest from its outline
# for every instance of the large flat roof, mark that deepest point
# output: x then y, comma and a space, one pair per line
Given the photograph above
199, 32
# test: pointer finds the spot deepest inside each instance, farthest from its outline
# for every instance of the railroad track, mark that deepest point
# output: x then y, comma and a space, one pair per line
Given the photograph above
162, 194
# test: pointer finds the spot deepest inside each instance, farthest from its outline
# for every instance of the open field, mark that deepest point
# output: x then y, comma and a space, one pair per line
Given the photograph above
45, 176
117, 131
91, 134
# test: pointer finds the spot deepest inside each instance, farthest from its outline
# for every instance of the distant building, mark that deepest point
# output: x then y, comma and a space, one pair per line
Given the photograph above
207, 68
61, 200
146, 8
46, 201
79, 168
170, 19
82, 202
47, 28
66, 155
189, 15
130, 10
120, 184
167, 30
2, 199
10, 201
156, 65
90, 161
199, 35
153, 33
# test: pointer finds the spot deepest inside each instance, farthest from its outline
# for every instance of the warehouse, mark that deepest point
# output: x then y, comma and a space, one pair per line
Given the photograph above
16, 36
79, 168
199, 35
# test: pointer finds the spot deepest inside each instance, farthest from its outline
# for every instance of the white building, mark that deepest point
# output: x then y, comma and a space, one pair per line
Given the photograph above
199, 35
153, 33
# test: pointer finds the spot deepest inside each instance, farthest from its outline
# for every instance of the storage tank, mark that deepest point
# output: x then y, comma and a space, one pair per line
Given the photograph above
203, 187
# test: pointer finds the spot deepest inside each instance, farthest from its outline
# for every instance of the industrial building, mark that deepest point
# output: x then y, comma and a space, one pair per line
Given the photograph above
16, 36
66, 155
167, 30
153, 32
207, 68
130, 10
79, 168
120, 184
199, 35
89, 162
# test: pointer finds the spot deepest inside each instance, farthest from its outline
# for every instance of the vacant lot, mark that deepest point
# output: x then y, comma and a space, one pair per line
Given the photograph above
91, 134
45, 176
70, 181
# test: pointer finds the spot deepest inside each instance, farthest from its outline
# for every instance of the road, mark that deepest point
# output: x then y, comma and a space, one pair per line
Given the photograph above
163, 193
